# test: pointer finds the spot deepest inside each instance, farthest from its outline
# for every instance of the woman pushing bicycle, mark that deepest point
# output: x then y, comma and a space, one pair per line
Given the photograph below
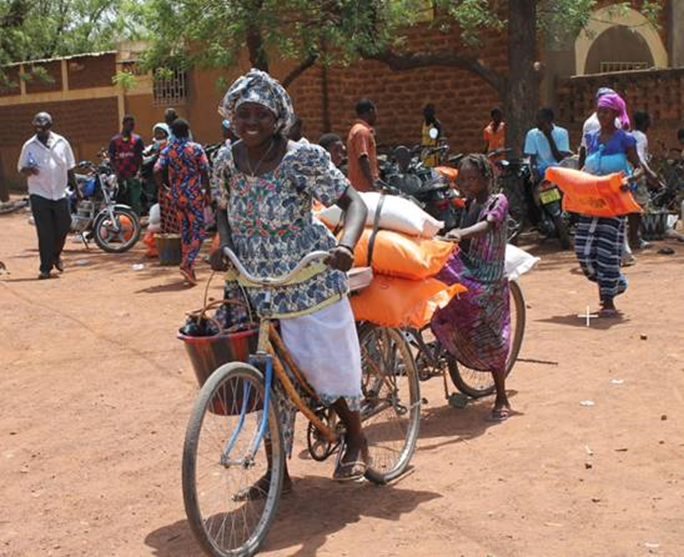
266, 193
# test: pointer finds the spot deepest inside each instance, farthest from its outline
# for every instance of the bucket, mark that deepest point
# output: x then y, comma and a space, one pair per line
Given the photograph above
169, 249
653, 225
209, 353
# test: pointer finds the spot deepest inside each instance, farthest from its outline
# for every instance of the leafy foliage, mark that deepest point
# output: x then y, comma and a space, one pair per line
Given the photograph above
39, 29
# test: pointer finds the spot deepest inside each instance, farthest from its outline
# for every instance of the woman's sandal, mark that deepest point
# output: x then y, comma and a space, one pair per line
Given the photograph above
354, 470
608, 313
188, 275
498, 415
259, 490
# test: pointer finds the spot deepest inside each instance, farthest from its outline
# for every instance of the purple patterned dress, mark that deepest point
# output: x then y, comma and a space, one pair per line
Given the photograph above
476, 326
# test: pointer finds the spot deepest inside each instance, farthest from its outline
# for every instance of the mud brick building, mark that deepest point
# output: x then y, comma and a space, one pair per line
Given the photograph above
623, 50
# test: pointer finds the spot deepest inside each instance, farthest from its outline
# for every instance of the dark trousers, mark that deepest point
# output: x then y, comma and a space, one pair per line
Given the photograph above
53, 222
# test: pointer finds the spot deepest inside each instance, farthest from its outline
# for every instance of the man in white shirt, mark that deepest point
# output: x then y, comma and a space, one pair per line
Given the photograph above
547, 144
48, 163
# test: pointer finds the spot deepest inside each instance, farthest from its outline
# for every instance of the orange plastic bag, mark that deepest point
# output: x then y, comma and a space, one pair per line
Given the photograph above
398, 255
397, 302
594, 196
150, 244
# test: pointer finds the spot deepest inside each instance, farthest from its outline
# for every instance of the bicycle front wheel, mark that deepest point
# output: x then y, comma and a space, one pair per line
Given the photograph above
477, 384
224, 457
390, 408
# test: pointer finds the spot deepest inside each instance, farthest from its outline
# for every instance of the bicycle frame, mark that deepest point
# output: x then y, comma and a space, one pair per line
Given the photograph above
268, 362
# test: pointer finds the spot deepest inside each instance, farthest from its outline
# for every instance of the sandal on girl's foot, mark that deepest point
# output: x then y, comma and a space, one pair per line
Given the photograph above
259, 490
353, 470
498, 415
188, 275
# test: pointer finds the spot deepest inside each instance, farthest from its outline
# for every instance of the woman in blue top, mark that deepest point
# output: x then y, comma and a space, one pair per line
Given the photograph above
599, 240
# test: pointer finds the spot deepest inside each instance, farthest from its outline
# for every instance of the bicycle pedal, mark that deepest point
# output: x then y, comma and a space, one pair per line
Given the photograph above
458, 400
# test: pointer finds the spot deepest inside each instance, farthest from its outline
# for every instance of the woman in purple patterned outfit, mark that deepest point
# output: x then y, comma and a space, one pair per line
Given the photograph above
475, 326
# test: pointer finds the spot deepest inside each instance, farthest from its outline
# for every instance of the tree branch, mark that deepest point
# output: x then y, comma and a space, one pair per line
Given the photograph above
410, 61
299, 70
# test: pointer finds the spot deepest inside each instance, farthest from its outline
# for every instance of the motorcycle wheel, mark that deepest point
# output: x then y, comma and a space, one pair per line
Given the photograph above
118, 236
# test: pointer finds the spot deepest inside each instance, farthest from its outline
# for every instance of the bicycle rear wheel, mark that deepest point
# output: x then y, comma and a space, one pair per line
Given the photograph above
477, 384
390, 408
220, 465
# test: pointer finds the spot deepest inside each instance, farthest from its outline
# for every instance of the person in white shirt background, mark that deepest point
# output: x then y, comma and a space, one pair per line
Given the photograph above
642, 121
47, 162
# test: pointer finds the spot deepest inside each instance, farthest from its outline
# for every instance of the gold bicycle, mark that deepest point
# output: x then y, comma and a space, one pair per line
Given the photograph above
234, 435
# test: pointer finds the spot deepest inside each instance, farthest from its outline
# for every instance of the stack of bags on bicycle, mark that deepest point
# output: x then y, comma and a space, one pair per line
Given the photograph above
399, 245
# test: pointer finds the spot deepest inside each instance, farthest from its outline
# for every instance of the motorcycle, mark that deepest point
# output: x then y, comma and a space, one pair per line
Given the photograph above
433, 189
96, 214
532, 200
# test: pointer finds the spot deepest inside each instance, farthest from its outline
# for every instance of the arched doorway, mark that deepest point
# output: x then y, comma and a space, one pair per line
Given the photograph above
618, 40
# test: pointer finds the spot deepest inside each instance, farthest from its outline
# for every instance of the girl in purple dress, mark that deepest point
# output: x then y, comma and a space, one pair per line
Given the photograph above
475, 326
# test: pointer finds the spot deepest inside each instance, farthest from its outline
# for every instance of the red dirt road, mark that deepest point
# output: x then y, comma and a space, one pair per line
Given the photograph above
96, 392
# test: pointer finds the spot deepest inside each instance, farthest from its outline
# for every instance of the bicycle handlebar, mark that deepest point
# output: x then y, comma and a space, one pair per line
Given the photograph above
273, 281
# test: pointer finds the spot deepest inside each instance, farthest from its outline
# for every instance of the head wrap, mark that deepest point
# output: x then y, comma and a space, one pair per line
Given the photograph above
42, 119
259, 87
615, 102
161, 126
225, 124
604, 91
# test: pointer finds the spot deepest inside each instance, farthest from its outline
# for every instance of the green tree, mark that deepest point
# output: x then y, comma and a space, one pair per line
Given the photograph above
39, 29
342, 31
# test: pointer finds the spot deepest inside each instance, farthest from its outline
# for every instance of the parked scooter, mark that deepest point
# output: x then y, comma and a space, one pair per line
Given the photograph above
114, 227
405, 174
532, 201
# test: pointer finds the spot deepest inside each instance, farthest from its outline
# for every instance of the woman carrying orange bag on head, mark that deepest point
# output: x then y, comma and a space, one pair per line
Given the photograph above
599, 241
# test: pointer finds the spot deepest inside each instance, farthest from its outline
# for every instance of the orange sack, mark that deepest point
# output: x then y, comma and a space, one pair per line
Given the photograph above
398, 255
594, 196
150, 244
397, 302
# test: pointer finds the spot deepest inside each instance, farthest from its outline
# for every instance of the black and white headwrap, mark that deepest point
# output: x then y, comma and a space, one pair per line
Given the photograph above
259, 87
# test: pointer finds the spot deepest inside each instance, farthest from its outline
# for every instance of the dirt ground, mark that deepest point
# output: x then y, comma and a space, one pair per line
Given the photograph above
96, 392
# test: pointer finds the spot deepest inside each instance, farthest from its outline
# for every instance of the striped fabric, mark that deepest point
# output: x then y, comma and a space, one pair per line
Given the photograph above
598, 245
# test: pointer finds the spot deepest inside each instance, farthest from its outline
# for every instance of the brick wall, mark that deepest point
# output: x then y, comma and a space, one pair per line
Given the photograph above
86, 124
658, 92
13, 76
463, 101
38, 85
91, 71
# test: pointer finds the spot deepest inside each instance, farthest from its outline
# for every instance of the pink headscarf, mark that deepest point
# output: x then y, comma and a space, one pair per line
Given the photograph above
617, 103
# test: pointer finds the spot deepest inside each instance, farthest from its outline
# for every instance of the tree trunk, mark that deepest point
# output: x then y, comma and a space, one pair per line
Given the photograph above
254, 40
522, 91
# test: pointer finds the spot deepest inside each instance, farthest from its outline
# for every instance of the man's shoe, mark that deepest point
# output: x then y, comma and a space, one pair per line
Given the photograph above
643, 244
43, 276
59, 264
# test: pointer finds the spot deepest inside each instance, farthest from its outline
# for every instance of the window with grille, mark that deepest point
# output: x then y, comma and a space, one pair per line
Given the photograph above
607, 67
169, 90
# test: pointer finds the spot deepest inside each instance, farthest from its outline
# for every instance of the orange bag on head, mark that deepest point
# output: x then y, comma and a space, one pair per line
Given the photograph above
594, 196
397, 302
399, 255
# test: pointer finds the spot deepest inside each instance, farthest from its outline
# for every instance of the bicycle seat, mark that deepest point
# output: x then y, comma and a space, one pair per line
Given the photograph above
359, 278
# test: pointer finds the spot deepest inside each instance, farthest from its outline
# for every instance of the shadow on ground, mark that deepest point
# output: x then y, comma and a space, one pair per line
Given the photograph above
317, 509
